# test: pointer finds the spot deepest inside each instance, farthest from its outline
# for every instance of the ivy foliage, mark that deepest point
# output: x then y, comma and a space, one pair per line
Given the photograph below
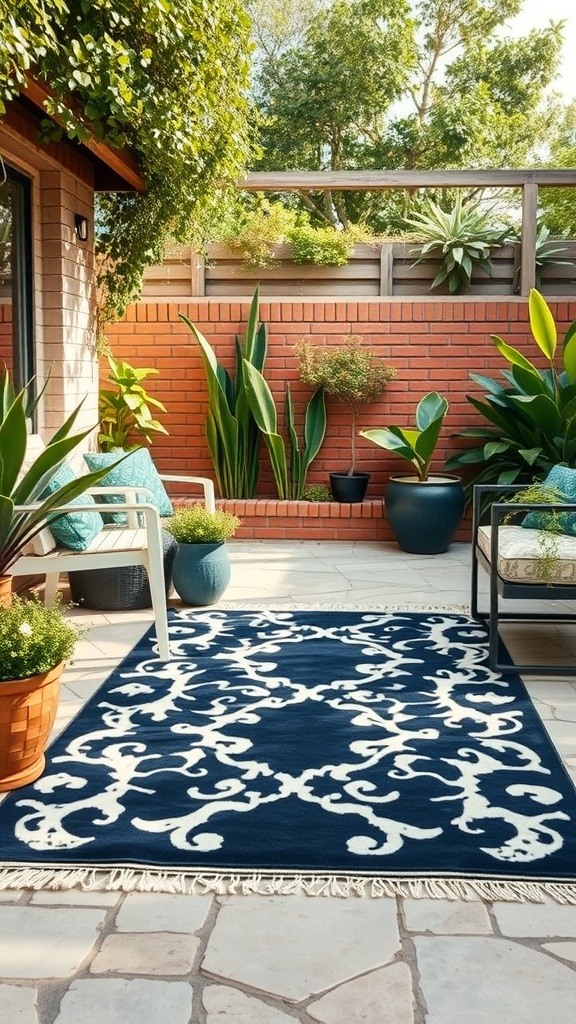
166, 78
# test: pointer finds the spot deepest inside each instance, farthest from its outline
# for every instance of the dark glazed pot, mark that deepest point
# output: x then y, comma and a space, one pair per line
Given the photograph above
349, 488
424, 515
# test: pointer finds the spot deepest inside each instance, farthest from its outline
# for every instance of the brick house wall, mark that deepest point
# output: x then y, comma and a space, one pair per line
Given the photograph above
62, 181
433, 344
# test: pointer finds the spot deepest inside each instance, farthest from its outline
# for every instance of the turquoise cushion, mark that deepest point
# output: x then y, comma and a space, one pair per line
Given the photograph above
563, 480
75, 530
137, 470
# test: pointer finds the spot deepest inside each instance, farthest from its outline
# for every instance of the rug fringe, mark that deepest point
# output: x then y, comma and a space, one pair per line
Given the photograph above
279, 605
155, 880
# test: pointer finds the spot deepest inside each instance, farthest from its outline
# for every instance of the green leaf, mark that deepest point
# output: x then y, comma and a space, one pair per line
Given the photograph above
542, 323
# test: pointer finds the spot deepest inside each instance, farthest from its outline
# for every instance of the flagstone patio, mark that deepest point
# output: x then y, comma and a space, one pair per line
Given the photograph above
144, 958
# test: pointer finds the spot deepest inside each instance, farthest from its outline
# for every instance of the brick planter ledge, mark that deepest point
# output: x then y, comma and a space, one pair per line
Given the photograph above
270, 519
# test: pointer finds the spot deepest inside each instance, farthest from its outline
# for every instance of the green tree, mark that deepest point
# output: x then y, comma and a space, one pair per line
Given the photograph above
167, 78
438, 83
318, 98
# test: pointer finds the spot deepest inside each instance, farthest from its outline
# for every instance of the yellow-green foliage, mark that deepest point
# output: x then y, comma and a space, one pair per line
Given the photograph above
196, 525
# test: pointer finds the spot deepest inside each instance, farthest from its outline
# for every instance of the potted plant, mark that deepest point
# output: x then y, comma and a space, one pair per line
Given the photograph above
35, 642
201, 569
354, 376
424, 509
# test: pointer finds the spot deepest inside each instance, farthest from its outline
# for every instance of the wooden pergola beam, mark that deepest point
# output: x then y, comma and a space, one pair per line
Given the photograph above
364, 181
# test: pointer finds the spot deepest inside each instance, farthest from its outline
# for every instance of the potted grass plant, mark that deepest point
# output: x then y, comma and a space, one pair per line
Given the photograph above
354, 376
35, 643
423, 508
201, 569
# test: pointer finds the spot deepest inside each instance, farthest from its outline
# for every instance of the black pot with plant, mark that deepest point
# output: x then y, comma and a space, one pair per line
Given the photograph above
354, 376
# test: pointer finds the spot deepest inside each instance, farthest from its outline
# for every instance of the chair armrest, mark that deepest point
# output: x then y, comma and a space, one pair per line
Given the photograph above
203, 481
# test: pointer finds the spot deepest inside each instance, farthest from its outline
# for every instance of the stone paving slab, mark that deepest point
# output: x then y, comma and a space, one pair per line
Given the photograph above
378, 997
18, 1005
46, 943
226, 1005
489, 981
149, 953
298, 946
447, 917
162, 912
115, 1001
542, 920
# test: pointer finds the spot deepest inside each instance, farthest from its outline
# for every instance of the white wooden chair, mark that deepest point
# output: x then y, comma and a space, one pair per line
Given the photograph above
132, 544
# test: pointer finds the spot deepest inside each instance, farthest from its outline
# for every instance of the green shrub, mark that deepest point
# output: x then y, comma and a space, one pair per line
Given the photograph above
322, 246
317, 492
33, 639
196, 525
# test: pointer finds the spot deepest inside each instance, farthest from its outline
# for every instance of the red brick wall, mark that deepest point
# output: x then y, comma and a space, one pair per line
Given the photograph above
433, 345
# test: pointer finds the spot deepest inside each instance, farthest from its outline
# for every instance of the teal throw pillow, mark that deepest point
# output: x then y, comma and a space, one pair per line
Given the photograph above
136, 470
563, 480
75, 530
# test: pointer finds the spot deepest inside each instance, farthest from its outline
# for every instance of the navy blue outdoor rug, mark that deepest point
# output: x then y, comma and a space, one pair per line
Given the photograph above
350, 752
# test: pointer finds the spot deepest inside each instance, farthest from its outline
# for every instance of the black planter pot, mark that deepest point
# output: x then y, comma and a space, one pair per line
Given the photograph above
424, 514
349, 488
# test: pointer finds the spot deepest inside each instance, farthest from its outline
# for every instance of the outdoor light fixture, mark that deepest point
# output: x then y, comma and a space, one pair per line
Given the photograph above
81, 227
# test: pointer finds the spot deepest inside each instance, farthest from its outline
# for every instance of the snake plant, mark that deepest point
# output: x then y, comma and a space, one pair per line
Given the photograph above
231, 429
289, 470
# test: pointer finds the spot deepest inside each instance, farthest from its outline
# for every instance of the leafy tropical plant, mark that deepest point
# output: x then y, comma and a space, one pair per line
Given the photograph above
462, 237
197, 525
231, 429
125, 413
33, 638
23, 484
289, 472
416, 445
349, 373
531, 415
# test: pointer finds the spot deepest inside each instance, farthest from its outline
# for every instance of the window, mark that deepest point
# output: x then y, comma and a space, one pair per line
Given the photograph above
16, 321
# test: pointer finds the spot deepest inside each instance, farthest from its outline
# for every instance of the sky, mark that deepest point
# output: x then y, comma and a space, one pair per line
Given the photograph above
538, 14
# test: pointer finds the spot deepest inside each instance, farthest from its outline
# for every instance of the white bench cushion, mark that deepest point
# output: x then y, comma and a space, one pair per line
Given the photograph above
521, 553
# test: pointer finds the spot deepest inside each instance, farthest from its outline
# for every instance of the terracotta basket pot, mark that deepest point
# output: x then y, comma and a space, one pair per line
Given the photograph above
27, 712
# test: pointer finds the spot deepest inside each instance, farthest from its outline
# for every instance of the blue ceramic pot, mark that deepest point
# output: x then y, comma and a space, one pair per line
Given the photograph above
424, 514
201, 572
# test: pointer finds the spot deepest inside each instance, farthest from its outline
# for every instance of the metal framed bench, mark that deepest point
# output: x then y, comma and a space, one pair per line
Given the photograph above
513, 558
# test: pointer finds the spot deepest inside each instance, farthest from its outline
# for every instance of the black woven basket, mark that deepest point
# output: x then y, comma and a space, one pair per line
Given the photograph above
125, 588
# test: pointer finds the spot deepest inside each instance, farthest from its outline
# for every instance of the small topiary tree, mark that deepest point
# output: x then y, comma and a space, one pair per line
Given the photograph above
348, 373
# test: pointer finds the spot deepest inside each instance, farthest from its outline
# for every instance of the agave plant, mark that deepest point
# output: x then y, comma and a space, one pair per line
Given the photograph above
231, 429
289, 474
24, 485
532, 415
416, 445
462, 237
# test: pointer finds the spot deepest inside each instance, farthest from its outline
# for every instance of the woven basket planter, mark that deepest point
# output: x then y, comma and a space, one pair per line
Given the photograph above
27, 712
123, 589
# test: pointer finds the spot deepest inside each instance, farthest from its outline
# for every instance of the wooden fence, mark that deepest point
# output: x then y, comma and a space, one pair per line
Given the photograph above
387, 269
